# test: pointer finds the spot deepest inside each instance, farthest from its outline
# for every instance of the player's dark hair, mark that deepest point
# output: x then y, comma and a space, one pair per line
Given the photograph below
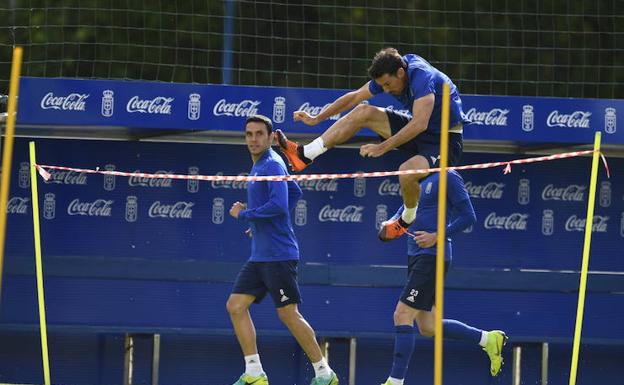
261, 119
387, 61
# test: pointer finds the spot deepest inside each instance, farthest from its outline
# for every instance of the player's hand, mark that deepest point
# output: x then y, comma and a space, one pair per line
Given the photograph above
248, 233
302, 116
425, 239
236, 209
372, 150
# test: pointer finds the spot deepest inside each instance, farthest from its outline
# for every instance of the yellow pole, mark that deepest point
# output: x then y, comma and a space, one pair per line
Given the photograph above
39, 266
441, 241
585, 264
7, 156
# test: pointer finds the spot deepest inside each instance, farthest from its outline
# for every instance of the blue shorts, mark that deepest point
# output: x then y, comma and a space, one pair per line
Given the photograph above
277, 278
426, 143
419, 291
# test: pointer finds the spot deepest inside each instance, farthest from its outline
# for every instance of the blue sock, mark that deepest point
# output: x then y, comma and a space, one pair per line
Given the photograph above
456, 330
404, 338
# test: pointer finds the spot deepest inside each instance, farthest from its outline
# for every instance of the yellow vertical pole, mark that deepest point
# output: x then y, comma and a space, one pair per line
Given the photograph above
7, 156
39, 266
585, 263
441, 240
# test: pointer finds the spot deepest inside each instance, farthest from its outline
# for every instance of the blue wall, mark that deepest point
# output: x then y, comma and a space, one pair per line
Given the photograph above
85, 358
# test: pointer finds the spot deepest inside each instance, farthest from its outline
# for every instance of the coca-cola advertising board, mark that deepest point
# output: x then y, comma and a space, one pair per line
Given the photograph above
152, 105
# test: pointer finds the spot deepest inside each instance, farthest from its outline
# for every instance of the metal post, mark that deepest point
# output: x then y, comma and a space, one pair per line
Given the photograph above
128, 359
544, 363
155, 358
228, 30
352, 354
517, 356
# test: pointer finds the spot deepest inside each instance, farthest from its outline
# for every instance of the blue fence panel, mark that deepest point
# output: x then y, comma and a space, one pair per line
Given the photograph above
531, 218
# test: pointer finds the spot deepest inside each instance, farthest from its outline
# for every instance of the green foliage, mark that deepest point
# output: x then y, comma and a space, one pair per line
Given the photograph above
524, 47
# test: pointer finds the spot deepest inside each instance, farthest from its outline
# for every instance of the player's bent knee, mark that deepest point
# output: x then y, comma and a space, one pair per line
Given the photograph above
408, 165
403, 316
411, 165
363, 112
235, 307
416, 162
409, 177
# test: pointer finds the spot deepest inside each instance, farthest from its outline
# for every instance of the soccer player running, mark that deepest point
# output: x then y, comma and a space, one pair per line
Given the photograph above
417, 85
416, 302
272, 267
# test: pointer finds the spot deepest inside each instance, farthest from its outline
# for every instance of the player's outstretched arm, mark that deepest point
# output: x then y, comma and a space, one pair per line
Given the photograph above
343, 103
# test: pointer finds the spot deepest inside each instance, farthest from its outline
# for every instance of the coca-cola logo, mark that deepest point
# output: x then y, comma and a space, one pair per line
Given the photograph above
230, 184
97, 208
577, 119
67, 177
514, 221
599, 224
493, 117
350, 213
571, 193
491, 190
136, 180
158, 105
330, 185
18, 205
388, 187
71, 102
315, 110
244, 108
178, 210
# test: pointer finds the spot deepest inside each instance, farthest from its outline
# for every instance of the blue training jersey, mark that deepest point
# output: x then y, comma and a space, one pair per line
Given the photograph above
269, 207
422, 80
459, 212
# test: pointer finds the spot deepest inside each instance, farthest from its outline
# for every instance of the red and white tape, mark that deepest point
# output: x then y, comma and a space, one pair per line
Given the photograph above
245, 178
